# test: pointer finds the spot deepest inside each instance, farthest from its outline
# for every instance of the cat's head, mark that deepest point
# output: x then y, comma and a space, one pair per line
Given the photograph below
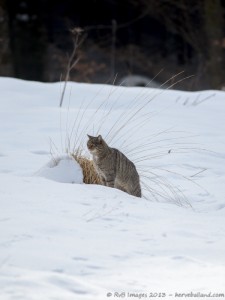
96, 144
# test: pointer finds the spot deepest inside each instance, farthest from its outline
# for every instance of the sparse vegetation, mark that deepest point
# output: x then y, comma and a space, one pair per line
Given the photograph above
89, 174
130, 120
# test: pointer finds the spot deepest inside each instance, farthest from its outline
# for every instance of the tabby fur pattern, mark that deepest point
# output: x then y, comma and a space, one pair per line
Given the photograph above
113, 167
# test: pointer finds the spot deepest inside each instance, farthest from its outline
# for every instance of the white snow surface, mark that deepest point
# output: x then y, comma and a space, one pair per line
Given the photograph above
62, 169
62, 239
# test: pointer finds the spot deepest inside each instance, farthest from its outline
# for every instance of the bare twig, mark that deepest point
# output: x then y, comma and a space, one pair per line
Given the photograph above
76, 32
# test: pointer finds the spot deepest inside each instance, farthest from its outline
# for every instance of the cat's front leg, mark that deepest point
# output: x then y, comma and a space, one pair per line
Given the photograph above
103, 180
110, 181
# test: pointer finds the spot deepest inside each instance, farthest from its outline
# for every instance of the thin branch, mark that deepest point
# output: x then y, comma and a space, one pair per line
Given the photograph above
72, 59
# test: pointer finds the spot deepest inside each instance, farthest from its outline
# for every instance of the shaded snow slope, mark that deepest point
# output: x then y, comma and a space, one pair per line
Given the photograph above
74, 241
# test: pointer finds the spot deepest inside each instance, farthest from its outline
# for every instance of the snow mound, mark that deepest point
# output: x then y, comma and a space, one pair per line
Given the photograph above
139, 80
62, 169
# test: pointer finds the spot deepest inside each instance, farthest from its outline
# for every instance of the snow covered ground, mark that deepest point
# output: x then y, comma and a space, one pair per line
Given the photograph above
61, 239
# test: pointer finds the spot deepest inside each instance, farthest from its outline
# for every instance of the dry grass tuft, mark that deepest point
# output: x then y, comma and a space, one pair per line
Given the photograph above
89, 174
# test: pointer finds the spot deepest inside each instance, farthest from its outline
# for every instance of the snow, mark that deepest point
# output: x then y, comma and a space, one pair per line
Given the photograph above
139, 80
62, 169
62, 239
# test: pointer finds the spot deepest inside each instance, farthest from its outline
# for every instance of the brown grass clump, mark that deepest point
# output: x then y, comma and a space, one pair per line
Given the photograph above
90, 176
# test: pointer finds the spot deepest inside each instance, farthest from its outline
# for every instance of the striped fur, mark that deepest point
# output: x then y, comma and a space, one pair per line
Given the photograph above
113, 167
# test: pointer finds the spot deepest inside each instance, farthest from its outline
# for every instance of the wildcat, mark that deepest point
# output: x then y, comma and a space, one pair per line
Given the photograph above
113, 167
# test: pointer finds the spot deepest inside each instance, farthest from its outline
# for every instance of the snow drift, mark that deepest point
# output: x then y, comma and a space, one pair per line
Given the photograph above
74, 241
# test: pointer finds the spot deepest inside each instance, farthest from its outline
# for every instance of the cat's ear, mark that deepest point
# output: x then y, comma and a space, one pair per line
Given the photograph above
89, 136
100, 139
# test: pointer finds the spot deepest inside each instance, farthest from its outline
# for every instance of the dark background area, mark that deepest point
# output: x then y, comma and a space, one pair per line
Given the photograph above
129, 37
